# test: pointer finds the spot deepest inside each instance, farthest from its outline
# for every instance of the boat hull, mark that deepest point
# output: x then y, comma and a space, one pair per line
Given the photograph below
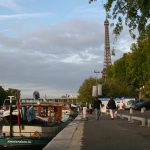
23, 143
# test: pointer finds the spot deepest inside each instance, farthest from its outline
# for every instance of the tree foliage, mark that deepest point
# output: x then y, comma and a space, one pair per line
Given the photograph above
133, 68
112, 87
85, 90
135, 12
13, 92
2, 95
10, 92
127, 75
131, 72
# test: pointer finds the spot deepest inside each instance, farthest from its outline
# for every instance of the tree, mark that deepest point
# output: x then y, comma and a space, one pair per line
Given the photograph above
135, 12
115, 88
110, 87
2, 95
133, 70
13, 92
85, 90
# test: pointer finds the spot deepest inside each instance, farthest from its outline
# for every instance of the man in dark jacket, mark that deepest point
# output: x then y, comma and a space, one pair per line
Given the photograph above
97, 104
112, 107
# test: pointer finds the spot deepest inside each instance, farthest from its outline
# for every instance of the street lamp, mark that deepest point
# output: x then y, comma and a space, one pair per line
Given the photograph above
97, 72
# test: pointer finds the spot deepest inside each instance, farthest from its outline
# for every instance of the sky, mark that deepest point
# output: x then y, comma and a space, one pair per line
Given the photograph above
52, 46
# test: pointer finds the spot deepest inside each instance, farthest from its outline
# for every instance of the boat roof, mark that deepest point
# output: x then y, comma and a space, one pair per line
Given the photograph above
43, 104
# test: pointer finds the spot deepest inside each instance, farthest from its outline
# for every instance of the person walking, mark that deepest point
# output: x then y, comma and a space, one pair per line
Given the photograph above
97, 104
121, 108
111, 105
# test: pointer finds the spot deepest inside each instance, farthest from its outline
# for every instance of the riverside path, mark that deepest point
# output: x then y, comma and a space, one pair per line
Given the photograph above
117, 134
103, 134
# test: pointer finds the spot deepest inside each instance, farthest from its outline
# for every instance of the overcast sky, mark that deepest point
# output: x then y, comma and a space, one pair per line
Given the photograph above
53, 46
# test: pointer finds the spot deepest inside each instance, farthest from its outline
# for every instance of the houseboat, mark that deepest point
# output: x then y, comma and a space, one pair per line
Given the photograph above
33, 123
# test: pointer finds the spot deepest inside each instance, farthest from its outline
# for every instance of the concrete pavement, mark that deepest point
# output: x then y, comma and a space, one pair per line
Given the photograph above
69, 138
118, 134
103, 134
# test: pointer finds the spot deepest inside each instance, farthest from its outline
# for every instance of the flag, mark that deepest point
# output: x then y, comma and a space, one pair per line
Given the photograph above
19, 116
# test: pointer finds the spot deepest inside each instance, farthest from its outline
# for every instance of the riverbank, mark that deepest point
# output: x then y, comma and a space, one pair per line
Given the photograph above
105, 134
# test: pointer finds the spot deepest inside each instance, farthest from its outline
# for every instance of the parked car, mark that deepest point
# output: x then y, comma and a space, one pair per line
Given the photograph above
136, 103
129, 104
144, 104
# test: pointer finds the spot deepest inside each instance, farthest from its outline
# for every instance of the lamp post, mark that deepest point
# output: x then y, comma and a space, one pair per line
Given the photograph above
10, 109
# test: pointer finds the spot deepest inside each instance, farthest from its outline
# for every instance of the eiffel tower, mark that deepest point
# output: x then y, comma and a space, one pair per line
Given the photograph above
107, 55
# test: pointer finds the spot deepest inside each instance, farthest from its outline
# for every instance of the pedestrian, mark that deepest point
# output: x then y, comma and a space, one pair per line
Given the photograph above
90, 108
121, 108
111, 105
97, 104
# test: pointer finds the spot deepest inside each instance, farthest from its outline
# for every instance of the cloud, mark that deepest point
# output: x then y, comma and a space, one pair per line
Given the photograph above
21, 70
53, 60
69, 37
11, 4
24, 16
122, 44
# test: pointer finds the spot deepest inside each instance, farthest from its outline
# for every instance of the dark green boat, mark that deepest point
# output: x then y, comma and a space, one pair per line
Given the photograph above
40, 136
23, 143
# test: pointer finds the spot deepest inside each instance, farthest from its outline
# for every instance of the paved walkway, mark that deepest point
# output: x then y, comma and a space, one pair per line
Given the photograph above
103, 134
118, 134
